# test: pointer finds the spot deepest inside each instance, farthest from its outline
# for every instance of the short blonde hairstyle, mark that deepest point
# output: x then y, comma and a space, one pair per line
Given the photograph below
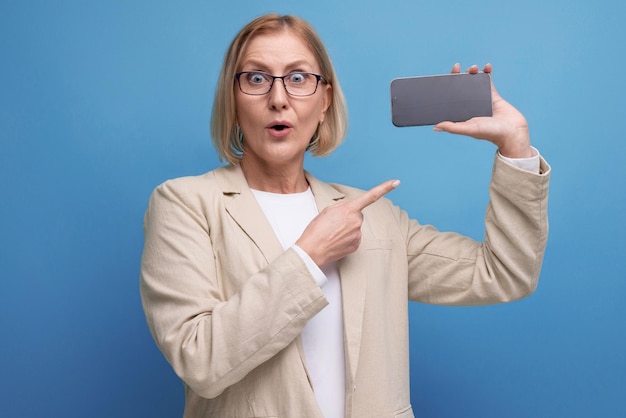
225, 132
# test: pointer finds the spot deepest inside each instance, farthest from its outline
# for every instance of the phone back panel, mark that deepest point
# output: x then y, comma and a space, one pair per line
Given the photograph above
428, 100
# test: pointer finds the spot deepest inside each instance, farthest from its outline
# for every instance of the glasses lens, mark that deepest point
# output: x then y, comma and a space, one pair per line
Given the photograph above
301, 84
255, 82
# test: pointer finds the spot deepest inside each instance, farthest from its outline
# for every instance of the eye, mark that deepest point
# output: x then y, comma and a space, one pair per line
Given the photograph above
257, 78
298, 78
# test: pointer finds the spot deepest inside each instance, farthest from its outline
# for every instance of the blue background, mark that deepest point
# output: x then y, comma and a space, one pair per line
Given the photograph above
100, 101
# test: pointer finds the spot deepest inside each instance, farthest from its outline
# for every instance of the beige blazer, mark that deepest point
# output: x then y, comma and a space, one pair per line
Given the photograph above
226, 304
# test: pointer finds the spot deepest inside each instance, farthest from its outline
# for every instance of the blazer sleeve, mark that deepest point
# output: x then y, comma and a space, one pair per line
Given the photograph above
211, 341
450, 269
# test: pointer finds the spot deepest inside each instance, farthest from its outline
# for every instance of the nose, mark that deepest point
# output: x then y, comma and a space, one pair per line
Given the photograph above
278, 97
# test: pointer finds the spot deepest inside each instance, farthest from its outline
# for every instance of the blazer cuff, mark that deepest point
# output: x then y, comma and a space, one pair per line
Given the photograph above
528, 164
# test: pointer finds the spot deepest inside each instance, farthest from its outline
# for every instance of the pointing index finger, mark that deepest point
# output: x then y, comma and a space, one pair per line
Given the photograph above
374, 194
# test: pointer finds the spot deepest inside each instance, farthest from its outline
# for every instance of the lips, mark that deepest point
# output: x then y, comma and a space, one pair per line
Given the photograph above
279, 125
279, 128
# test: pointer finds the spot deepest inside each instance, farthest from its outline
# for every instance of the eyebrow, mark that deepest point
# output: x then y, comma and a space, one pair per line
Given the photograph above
298, 65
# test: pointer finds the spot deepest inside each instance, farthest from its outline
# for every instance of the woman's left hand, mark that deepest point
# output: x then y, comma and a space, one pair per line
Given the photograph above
506, 128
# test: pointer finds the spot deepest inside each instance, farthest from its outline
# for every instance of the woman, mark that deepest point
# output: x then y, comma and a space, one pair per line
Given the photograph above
272, 293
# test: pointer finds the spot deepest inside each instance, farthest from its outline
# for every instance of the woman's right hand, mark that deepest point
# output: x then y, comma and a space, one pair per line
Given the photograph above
336, 231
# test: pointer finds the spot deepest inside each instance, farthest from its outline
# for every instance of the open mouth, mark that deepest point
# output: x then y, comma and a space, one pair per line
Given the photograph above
279, 127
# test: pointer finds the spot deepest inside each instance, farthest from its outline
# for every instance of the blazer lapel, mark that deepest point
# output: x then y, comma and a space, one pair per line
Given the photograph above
244, 209
353, 283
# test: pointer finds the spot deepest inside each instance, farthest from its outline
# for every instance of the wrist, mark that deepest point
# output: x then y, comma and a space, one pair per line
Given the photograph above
517, 147
308, 251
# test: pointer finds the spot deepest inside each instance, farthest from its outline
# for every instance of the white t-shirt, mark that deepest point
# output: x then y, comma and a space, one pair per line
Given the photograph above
322, 337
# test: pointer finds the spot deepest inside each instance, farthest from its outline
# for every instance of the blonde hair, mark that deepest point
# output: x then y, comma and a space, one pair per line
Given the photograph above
225, 132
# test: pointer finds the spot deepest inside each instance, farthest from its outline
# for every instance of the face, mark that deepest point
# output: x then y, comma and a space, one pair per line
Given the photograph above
277, 127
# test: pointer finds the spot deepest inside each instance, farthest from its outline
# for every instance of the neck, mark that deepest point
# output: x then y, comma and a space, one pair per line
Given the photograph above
274, 179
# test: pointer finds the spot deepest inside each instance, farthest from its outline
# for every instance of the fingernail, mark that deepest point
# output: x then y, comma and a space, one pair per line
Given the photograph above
435, 129
395, 183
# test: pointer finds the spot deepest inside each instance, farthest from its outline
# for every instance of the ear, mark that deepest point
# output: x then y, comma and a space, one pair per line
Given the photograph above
327, 100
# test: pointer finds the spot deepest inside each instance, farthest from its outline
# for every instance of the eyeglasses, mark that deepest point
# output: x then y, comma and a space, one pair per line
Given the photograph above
258, 83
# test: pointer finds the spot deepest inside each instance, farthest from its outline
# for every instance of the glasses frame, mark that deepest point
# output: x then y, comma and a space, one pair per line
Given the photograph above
318, 78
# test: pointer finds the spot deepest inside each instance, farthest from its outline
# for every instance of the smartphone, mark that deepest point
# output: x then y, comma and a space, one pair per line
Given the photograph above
428, 100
